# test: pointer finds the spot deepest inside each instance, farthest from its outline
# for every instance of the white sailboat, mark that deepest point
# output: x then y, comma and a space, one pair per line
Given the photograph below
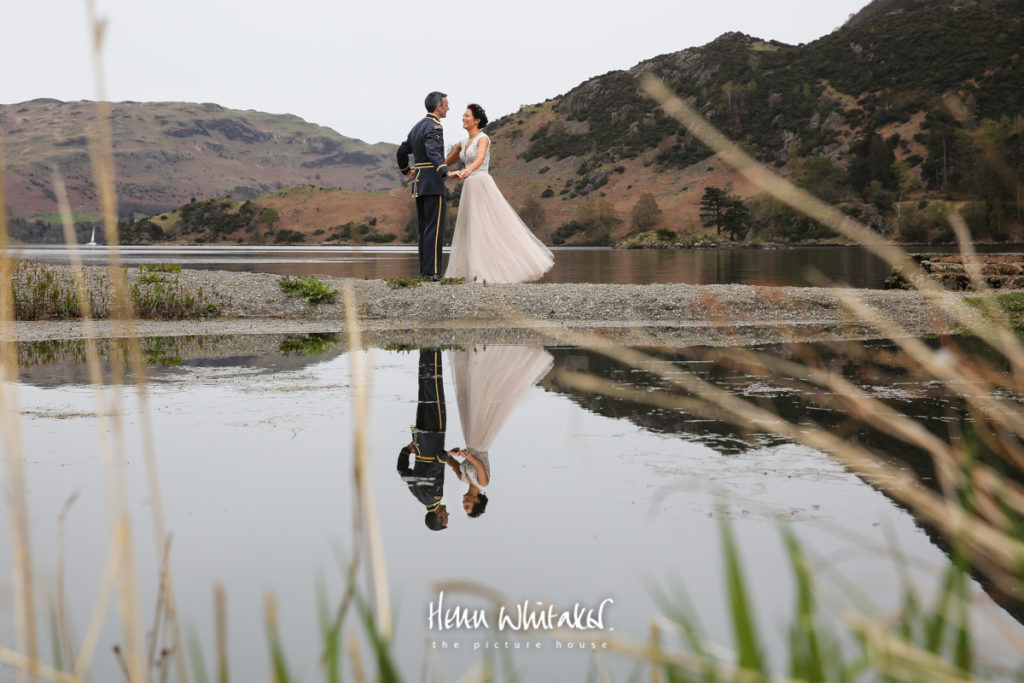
92, 240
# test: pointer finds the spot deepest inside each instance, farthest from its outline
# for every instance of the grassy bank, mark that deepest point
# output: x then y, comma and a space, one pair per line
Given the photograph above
43, 292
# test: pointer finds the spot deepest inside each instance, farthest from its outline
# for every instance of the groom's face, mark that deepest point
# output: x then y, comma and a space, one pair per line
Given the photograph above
442, 109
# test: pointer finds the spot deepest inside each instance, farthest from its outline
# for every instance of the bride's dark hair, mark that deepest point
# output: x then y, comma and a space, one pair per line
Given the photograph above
479, 114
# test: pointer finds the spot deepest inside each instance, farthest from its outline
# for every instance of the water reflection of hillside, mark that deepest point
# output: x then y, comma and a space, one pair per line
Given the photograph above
63, 361
866, 365
871, 366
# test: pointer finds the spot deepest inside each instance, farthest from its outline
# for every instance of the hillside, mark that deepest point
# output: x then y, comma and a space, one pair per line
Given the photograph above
836, 114
167, 153
303, 214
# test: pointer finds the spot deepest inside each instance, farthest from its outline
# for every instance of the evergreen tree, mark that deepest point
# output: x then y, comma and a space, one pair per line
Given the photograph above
736, 218
871, 161
712, 208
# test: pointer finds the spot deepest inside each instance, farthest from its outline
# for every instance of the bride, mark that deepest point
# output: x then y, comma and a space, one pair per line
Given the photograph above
489, 383
491, 243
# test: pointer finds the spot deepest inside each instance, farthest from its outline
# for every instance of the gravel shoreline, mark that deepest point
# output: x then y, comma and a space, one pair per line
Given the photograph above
673, 314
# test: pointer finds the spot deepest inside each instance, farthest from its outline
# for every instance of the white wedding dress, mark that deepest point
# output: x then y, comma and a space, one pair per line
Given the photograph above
489, 382
491, 243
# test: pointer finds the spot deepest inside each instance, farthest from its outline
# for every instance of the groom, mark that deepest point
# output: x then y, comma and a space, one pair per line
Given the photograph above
426, 144
425, 475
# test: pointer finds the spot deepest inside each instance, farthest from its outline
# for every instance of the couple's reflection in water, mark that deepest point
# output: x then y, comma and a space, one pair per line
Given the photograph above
489, 382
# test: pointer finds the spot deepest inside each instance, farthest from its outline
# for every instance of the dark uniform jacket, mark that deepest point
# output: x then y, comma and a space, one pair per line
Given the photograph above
425, 478
426, 144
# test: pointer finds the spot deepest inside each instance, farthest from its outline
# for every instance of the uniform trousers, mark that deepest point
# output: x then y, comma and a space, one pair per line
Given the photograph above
431, 211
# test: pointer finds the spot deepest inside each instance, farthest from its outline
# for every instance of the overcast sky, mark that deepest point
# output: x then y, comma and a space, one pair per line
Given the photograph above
362, 67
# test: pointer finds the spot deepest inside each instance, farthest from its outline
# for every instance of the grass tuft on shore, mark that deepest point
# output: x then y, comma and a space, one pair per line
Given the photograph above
311, 288
1010, 303
42, 292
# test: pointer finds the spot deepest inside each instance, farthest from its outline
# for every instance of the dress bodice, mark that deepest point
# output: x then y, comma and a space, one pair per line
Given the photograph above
469, 150
468, 469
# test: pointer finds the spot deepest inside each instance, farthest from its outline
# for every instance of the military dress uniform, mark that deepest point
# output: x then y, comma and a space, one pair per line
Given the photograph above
425, 477
426, 144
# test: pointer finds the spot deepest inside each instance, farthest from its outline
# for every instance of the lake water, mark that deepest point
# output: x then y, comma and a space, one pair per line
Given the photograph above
798, 266
590, 498
853, 266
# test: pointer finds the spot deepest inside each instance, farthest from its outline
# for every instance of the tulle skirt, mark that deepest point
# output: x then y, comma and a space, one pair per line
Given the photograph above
489, 382
491, 243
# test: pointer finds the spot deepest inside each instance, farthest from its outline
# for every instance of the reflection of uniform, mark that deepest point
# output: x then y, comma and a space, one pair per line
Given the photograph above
425, 478
426, 144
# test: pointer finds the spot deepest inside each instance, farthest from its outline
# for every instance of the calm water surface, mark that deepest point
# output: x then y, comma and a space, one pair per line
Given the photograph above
590, 498
853, 266
799, 266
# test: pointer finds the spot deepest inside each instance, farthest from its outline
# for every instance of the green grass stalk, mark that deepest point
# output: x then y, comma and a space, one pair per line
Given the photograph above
310, 287
278, 665
748, 643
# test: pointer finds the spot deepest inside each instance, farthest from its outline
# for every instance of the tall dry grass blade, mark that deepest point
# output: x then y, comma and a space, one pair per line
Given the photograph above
154, 634
173, 626
101, 153
64, 629
14, 463
897, 658
655, 647
92, 355
106, 588
26, 665
221, 616
367, 511
477, 673
356, 659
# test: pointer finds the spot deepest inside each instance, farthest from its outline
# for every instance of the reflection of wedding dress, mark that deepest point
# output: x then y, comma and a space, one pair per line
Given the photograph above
491, 243
489, 381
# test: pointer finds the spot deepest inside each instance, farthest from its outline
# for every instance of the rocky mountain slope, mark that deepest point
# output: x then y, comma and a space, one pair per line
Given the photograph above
167, 153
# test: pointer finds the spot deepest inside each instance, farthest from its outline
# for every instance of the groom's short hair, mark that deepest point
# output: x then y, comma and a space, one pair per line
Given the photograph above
433, 100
